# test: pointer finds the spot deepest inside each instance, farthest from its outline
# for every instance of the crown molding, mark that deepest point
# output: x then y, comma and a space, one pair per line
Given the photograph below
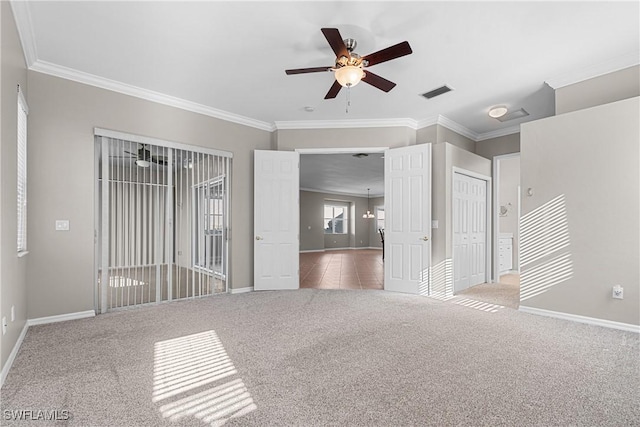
115, 86
346, 124
457, 128
429, 121
22, 17
498, 133
614, 64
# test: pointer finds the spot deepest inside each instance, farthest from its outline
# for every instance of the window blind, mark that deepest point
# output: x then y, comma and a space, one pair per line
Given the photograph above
22, 172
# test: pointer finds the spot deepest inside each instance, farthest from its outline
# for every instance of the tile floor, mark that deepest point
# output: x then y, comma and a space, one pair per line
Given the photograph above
350, 269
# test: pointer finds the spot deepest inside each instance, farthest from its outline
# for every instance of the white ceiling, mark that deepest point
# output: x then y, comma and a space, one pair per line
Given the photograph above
343, 173
227, 59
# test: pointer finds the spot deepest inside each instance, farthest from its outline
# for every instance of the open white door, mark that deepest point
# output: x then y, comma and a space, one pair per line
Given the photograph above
407, 204
276, 220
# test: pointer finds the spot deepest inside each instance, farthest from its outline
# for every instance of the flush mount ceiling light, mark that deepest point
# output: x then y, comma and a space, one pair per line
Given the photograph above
498, 111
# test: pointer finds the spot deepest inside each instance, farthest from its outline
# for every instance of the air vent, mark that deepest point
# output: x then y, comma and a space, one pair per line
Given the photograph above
513, 115
438, 91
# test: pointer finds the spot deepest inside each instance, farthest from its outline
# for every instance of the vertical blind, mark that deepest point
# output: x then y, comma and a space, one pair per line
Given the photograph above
163, 222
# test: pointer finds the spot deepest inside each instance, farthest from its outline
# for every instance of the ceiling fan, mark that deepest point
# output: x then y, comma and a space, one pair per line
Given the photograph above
349, 66
144, 158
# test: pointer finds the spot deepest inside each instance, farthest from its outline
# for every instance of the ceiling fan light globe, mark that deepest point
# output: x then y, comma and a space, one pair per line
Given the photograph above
143, 163
349, 75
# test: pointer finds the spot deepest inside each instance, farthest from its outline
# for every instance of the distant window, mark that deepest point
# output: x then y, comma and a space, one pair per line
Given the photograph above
22, 172
335, 217
379, 217
209, 204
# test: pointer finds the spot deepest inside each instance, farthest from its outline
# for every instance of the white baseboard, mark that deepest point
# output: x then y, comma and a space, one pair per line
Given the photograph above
241, 290
39, 321
311, 251
61, 318
582, 319
13, 354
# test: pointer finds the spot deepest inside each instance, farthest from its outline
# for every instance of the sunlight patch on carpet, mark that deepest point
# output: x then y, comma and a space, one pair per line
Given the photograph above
477, 305
185, 370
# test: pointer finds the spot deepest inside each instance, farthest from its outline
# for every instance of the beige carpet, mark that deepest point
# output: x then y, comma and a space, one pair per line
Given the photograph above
324, 358
506, 293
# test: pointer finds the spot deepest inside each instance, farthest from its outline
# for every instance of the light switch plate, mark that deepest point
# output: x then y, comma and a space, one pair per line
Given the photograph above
434, 223
62, 225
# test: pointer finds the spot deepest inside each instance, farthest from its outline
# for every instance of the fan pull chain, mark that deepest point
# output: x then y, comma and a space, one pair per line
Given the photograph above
348, 99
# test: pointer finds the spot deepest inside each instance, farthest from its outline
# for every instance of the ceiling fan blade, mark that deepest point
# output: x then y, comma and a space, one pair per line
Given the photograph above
377, 81
307, 70
333, 92
392, 52
335, 41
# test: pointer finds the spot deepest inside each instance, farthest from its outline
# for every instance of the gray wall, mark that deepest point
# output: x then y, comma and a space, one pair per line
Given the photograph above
312, 236
590, 157
616, 86
13, 71
427, 135
63, 115
436, 134
291, 139
498, 146
447, 135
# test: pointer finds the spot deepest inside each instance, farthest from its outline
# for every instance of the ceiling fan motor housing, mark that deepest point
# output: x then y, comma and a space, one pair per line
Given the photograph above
350, 44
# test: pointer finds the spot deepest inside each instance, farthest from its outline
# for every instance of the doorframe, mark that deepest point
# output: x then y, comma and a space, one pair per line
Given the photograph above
488, 218
100, 138
496, 217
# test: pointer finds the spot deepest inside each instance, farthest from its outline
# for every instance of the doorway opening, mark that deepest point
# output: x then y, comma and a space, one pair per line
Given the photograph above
162, 221
506, 236
341, 218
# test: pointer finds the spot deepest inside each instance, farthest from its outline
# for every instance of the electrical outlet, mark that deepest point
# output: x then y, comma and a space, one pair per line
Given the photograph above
617, 292
13, 313
4, 325
62, 225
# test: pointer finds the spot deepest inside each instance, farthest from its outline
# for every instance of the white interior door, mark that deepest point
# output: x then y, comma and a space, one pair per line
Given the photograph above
460, 232
276, 220
407, 177
478, 231
469, 231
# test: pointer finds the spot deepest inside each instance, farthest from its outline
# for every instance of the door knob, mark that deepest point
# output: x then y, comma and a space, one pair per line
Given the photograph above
425, 238
259, 238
